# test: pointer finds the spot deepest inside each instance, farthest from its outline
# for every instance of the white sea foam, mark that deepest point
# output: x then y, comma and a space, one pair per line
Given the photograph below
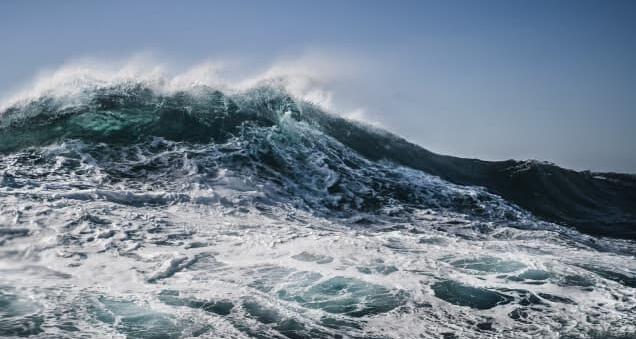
308, 78
175, 265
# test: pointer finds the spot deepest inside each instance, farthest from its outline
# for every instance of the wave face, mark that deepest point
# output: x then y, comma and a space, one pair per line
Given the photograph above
126, 211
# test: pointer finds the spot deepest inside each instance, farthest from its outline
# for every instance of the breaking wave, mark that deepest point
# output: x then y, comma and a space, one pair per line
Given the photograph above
132, 210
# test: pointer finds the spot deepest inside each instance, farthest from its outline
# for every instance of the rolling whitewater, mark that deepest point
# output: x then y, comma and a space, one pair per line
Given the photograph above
132, 210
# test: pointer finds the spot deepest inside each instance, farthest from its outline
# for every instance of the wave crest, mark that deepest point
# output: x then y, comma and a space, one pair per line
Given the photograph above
121, 112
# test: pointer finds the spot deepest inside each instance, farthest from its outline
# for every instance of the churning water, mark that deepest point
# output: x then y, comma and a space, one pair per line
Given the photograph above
129, 212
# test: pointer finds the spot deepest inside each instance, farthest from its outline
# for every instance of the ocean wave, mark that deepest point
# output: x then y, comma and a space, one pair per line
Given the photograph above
127, 112
128, 210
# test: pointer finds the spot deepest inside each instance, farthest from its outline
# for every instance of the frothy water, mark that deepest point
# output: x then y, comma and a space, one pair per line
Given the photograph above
140, 216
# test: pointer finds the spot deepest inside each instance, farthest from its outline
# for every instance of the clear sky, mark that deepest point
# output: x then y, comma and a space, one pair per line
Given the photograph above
549, 80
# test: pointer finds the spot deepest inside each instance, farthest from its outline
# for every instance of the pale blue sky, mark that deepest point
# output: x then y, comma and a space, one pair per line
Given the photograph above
552, 80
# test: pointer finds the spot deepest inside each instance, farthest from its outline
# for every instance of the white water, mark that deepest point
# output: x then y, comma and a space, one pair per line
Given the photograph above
82, 252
